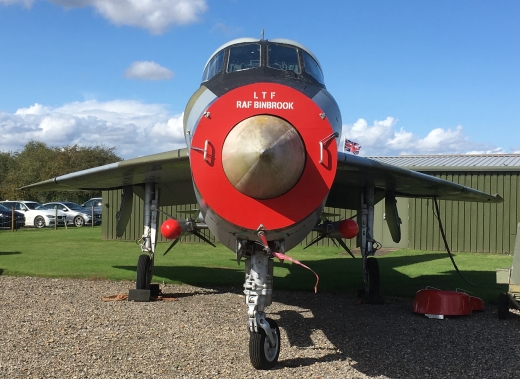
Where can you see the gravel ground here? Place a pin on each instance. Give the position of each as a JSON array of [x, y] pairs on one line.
[[61, 328]]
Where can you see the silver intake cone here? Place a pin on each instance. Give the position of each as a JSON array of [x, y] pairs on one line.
[[263, 157]]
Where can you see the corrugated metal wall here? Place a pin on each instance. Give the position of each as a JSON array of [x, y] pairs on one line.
[[469, 227]]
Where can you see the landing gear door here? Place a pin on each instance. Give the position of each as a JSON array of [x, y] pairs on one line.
[[125, 210]]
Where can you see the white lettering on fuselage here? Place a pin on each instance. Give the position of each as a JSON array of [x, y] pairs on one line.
[[274, 104], [264, 94], [265, 104], [244, 104]]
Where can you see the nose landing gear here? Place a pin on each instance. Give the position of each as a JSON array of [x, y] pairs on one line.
[[264, 334]]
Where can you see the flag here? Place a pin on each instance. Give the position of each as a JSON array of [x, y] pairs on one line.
[[352, 147]]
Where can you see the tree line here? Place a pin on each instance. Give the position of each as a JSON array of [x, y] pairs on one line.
[[38, 162]]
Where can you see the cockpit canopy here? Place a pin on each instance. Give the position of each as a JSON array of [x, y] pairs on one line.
[[279, 54]]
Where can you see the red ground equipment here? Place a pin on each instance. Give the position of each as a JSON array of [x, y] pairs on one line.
[[435, 303]]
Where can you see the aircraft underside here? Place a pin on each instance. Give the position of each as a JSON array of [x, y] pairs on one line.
[[257, 249]]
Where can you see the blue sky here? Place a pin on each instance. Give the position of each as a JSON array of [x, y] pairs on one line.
[[410, 77]]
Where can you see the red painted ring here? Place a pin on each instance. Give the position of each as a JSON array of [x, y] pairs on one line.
[[210, 178]]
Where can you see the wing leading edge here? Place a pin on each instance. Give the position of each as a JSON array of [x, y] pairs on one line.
[[356, 172], [169, 170]]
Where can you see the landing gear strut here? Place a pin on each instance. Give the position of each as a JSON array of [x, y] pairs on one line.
[[148, 240], [264, 334], [371, 293]]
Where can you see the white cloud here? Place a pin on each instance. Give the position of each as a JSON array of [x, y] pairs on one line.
[[375, 135], [155, 15], [137, 129], [146, 70], [497, 150], [36, 109], [134, 128], [442, 140], [25, 3], [382, 138]]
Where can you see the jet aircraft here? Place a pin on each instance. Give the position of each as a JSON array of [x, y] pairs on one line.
[[262, 161]]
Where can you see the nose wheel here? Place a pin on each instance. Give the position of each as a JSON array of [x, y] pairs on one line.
[[264, 354]]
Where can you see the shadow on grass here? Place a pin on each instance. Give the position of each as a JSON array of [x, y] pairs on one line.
[[340, 275], [10, 252]]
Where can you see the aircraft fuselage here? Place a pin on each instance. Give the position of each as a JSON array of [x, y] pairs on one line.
[[262, 132]]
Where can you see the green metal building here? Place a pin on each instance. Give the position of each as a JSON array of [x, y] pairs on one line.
[[469, 227]]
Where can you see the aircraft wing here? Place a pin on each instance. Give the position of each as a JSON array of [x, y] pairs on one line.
[[356, 172], [169, 170]]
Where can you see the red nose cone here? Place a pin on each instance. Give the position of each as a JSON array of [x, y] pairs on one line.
[[348, 228], [171, 229]]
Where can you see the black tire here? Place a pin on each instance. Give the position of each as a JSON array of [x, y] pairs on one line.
[[79, 221], [503, 306], [144, 273], [374, 283], [264, 357], [39, 222]]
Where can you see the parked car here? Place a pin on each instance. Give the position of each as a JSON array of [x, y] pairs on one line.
[[36, 214], [76, 214], [6, 219], [94, 202]]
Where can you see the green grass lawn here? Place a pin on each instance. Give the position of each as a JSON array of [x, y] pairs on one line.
[[80, 253]]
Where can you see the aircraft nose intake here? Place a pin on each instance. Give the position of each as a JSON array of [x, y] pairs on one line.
[[263, 156]]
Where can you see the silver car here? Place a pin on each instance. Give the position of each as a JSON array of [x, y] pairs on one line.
[[76, 214]]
